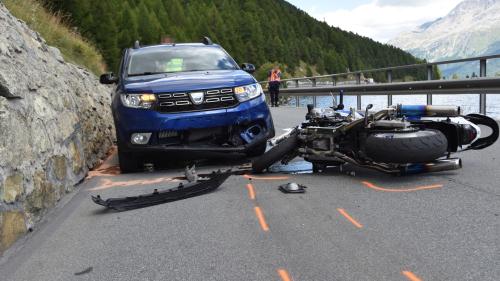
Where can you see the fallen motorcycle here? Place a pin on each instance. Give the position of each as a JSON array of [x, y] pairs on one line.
[[401, 140]]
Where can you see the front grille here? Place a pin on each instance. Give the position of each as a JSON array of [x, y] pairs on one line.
[[212, 99]]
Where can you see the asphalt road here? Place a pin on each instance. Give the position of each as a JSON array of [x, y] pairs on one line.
[[350, 225]]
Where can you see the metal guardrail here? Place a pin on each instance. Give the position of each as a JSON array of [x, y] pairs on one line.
[[481, 85]]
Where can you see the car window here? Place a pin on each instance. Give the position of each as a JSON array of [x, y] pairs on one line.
[[179, 59]]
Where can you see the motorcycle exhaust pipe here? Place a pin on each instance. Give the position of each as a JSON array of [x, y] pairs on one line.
[[436, 166], [428, 111]]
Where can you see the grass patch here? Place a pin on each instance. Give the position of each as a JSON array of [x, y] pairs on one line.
[[57, 33]]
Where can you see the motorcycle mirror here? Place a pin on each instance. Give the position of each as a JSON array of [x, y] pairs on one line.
[[334, 100], [368, 107]]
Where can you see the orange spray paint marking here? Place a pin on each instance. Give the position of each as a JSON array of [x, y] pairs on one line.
[[264, 178], [349, 218], [378, 188], [284, 275], [261, 218], [103, 172], [108, 183], [410, 275], [105, 168], [251, 191]]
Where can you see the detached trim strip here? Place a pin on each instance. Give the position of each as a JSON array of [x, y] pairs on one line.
[[159, 197]]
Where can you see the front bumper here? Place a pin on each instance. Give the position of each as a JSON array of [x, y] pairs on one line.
[[198, 149], [244, 115]]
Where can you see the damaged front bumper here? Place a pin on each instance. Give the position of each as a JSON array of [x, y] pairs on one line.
[[203, 148], [202, 186], [239, 129]]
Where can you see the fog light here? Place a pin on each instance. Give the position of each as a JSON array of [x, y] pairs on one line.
[[140, 138]]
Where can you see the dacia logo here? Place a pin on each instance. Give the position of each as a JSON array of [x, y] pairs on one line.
[[197, 97]]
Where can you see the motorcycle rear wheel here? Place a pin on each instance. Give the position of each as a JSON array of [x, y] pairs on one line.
[[406, 147]]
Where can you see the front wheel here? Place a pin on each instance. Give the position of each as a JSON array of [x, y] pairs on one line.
[[258, 150], [275, 154], [129, 163], [406, 147]]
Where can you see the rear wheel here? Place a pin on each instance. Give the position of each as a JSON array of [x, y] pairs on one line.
[[406, 147]]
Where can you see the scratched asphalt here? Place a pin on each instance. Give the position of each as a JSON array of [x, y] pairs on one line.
[[447, 228]]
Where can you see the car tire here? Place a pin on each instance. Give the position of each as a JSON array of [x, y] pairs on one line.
[[275, 154], [129, 163], [406, 147], [258, 150]]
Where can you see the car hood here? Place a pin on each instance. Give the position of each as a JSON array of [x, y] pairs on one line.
[[188, 81]]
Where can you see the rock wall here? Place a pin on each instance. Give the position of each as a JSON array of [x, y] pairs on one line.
[[55, 124]]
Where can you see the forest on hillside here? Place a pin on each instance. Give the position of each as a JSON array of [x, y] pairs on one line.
[[255, 31]]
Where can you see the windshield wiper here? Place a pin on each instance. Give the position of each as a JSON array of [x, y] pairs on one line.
[[146, 73]]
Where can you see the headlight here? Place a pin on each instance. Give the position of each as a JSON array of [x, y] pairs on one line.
[[245, 93], [138, 100]]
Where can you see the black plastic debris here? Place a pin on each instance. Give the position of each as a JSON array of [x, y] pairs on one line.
[[190, 174], [292, 187], [203, 185]]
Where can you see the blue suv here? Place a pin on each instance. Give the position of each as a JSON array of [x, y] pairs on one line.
[[187, 101]]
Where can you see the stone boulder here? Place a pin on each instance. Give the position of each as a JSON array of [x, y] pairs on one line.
[[55, 124]]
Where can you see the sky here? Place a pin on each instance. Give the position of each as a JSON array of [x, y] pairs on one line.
[[380, 20]]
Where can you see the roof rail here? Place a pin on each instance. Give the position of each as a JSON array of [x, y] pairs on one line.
[[207, 41], [137, 45]]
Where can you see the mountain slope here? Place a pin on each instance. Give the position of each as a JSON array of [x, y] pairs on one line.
[[51, 27], [472, 28], [256, 31]]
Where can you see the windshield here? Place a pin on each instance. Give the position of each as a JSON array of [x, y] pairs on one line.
[[178, 59]]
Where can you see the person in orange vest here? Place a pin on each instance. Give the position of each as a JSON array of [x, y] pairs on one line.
[[274, 78]]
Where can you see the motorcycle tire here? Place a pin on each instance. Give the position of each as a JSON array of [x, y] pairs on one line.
[[406, 147], [275, 154]]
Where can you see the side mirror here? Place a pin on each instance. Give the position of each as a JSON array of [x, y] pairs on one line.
[[108, 78], [248, 67]]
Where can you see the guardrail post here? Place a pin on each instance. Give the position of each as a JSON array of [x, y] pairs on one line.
[[313, 82], [429, 72], [358, 102], [314, 101], [482, 103], [389, 80], [429, 77], [297, 99], [482, 68], [297, 83], [482, 96], [358, 78]]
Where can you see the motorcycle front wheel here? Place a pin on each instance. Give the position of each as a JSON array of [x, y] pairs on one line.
[[275, 154]]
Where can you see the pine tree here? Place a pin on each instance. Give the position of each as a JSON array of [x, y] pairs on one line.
[[255, 31]]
